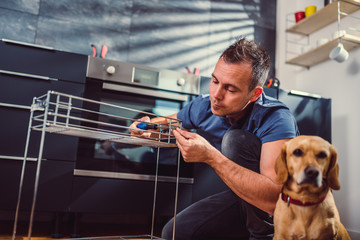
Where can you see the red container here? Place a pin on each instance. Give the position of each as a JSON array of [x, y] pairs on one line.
[[299, 16]]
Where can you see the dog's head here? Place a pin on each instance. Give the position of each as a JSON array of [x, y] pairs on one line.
[[308, 160]]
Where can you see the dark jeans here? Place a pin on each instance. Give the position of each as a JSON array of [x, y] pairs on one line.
[[224, 215]]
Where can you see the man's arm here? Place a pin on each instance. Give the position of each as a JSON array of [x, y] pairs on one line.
[[259, 190]]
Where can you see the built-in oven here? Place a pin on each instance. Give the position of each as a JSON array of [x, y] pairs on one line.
[[157, 91]]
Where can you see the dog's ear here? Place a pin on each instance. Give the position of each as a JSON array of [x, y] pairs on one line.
[[280, 166], [333, 172]]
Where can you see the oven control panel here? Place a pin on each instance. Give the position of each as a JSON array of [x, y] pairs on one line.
[[139, 75]]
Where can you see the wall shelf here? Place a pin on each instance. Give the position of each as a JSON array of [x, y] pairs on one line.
[[321, 53], [324, 17]]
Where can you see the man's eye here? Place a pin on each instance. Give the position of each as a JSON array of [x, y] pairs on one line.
[[298, 152], [229, 89]]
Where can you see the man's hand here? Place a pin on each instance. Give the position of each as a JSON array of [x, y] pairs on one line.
[[193, 147], [133, 128]]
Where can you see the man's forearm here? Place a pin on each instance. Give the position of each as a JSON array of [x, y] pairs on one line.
[[255, 188]]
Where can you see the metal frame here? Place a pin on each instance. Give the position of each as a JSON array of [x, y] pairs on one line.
[[61, 113]]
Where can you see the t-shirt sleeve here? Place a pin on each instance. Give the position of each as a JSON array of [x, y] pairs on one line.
[[280, 124], [190, 114]]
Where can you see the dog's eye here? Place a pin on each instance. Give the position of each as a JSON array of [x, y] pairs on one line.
[[298, 152], [321, 155]]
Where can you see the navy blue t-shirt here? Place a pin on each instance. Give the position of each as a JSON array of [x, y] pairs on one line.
[[269, 120]]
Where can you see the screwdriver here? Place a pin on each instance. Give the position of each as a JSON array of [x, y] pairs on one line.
[[147, 126]]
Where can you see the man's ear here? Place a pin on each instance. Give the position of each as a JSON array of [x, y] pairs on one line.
[[257, 91]]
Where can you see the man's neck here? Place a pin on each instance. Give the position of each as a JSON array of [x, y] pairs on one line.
[[240, 115]]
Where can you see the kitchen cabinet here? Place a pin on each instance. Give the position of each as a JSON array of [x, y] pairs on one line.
[[26, 71], [117, 196], [16, 95], [29, 71], [45, 62], [317, 21], [54, 187]]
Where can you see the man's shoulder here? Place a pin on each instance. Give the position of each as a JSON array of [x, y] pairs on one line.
[[267, 106], [269, 102]]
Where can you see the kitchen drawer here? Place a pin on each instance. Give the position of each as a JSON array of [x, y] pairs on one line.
[[102, 195], [65, 66], [14, 126], [21, 90], [54, 190], [16, 94]]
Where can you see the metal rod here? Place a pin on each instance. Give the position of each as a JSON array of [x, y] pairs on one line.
[[338, 20], [22, 173], [41, 148], [176, 193], [56, 108], [114, 237], [28, 75], [109, 104], [15, 106], [27, 44], [68, 112], [155, 192]]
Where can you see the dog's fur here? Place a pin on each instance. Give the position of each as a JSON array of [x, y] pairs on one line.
[[308, 169]]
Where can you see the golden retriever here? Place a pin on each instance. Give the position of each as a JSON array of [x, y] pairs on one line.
[[308, 169]]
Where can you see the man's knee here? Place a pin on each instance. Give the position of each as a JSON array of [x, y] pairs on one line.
[[182, 231], [167, 231], [242, 147]]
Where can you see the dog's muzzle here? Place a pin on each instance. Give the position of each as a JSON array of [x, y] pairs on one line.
[[310, 175]]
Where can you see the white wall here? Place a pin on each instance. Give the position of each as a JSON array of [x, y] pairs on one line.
[[341, 83]]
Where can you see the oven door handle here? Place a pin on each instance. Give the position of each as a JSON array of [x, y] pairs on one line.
[[18, 158], [146, 92]]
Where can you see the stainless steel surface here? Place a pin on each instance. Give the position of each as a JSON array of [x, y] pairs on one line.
[[146, 92], [28, 75], [122, 72]]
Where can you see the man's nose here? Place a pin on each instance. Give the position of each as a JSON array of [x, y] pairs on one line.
[[218, 93]]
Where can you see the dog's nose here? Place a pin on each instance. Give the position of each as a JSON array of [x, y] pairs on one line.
[[311, 172]]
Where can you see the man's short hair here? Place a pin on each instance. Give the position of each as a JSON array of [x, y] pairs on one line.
[[249, 52]]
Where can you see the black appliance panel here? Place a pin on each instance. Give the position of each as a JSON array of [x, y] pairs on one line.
[[312, 113], [98, 157]]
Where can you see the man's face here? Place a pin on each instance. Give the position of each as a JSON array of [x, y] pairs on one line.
[[229, 89]]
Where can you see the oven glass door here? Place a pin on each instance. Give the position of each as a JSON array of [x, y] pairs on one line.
[[119, 160]]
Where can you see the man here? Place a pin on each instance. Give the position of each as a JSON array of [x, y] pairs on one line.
[[247, 130]]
